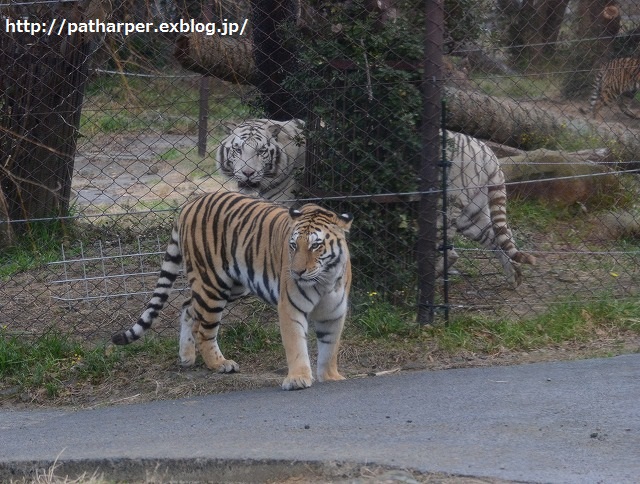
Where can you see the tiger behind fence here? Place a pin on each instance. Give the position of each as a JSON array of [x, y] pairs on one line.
[[478, 199], [616, 78], [262, 156], [232, 245], [477, 184]]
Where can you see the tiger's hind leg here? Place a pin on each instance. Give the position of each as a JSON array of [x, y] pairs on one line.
[[205, 324], [187, 336], [475, 223], [623, 106], [511, 269], [452, 255]]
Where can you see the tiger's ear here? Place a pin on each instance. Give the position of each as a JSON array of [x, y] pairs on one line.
[[294, 213], [344, 221], [274, 130], [228, 126]]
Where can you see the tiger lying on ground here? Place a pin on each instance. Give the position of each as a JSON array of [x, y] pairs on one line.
[[478, 201], [262, 156], [232, 245], [616, 78]]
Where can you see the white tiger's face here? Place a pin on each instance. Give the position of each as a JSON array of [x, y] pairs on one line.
[[251, 162], [262, 157]]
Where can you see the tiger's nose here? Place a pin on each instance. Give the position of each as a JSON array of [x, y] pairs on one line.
[[248, 172]]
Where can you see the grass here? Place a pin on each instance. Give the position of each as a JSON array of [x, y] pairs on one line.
[[251, 337], [115, 103], [376, 318], [565, 322], [518, 87], [49, 476], [39, 245], [51, 364], [536, 215]]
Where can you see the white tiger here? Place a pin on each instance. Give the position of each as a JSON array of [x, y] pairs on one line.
[[478, 200], [262, 155]]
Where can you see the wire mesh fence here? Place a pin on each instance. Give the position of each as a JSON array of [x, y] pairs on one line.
[[112, 115]]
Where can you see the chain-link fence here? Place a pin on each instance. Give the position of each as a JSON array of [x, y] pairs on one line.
[[112, 115]]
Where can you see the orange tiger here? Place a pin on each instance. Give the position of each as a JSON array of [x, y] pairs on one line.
[[232, 245]]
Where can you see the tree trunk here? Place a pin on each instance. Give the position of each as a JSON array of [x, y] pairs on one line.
[[559, 177], [227, 58], [532, 27], [275, 57], [518, 123], [42, 85], [541, 22]]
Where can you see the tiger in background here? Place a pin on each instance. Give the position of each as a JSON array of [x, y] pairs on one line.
[[616, 78], [232, 245], [478, 201], [262, 156], [477, 184]]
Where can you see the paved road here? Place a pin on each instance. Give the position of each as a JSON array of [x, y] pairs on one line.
[[565, 422]]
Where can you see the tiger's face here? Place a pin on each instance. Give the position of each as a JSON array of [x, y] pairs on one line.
[[252, 162], [317, 246]]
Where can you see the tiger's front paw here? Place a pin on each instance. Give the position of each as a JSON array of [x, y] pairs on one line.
[[188, 357], [297, 382], [227, 366], [331, 376]]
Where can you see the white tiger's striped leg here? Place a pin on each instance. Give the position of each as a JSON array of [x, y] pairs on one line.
[[475, 222], [293, 329], [206, 325], [452, 257], [187, 338], [512, 269]]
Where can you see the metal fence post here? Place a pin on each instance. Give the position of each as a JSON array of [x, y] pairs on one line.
[[427, 217], [446, 246]]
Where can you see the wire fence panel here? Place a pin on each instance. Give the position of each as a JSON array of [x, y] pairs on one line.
[[114, 115]]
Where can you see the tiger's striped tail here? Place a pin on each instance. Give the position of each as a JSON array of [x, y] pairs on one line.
[[168, 274], [501, 230], [596, 100]]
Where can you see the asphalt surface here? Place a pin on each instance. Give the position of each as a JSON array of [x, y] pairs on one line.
[[562, 422]]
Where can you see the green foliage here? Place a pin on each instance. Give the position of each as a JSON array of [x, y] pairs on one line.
[[53, 364], [150, 346], [54, 361], [43, 363], [363, 129], [251, 337], [536, 215], [38, 244], [565, 322], [464, 19], [171, 154], [519, 87], [378, 318]]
